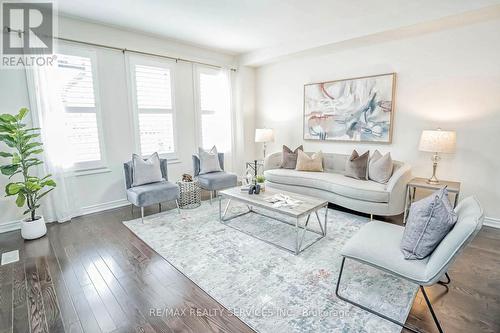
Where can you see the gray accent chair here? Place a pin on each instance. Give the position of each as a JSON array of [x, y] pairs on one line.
[[377, 244], [214, 181], [150, 194]]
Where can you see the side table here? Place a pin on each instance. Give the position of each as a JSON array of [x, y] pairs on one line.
[[190, 194], [411, 188]]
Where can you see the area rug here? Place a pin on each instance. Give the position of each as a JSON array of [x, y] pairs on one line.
[[268, 288]]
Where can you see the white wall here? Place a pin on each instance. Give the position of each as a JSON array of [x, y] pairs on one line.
[[448, 79], [103, 190]]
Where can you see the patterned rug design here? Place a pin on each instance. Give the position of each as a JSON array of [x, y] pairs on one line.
[[268, 288]]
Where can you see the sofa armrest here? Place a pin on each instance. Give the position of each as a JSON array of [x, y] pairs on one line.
[[398, 181], [272, 161]]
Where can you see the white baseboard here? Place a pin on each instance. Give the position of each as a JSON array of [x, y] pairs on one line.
[[16, 225], [10, 226], [492, 222], [103, 206]]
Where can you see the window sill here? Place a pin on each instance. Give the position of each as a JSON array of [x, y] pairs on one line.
[[87, 172], [173, 161]]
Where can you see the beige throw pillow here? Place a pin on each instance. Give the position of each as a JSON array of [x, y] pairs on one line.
[[380, 167], [306, 163]]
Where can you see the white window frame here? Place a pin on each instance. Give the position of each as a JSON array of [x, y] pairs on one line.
[[197, 71], [81, 51], [133, 60]]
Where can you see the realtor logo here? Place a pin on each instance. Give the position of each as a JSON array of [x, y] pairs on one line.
[[27, 27]]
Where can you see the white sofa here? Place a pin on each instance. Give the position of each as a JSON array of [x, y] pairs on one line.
[[364, 196]]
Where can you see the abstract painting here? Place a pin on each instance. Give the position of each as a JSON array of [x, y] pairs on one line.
[[358, 109]]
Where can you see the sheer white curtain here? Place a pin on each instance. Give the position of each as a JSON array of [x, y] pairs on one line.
[[47, 113]]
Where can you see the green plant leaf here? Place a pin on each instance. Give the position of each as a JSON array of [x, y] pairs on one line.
[[9, 141], [49, 182], [33, 129], [5, 154], [8, 118], [13, 188], [32, 186], [7, 128], [33, 152], [31, 136], [21, 200], [22, 113], [9, 169], [26, 211]]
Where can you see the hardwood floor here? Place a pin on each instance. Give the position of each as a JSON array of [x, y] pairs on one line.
[[94, 275]]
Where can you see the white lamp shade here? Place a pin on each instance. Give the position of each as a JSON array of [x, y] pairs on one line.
[[438, 141], [264, 135]]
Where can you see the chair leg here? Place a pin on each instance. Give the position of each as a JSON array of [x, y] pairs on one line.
[[132, 209], [177, 203], [142, 214], [380, 314], [371, 217], [211, 194], [436, 321], [159, 208], [445, 283]]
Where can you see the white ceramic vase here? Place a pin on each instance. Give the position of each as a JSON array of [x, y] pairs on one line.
[[33, 229]]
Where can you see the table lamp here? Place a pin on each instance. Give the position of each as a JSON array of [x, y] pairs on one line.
[[437, 141], [264, 135]]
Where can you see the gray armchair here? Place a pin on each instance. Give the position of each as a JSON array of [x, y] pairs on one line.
[[377, 245], [150, 194], [214, 181]]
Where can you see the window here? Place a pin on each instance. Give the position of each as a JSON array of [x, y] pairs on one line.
[[73, 81], [152, 87], [214, 109]]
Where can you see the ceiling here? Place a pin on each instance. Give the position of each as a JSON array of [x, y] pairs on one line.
[[246, 26]]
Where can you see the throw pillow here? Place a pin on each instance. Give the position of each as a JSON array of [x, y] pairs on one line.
[[289, 158], [356, 165], [209, 160], [146, 170], [306, 163], [429, 221], [380, 167]]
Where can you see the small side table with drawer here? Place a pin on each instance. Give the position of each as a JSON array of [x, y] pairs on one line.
[[421, 183]]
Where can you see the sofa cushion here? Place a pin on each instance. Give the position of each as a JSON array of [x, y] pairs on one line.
[[357, 165], [217, 180], [380, 167], [309, 163], [150, 194], [289, 157], [332, 182]]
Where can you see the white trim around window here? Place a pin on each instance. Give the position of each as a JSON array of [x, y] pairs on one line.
[[155, 106], [81, 51], [226, 119]]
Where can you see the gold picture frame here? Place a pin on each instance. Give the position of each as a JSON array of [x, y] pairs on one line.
[[359, 109]]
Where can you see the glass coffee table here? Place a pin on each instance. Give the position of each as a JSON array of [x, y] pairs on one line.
[[306, 210]]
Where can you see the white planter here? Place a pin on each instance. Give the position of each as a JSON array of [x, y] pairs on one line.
[[33, 229]]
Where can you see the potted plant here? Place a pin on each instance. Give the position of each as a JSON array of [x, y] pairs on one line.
[[29, 189], [261, 181]]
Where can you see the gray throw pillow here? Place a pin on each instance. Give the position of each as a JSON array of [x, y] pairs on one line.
[[356, 165], [146, 171], [289, 158], [209, 160], [429, 221], [380, 167]]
